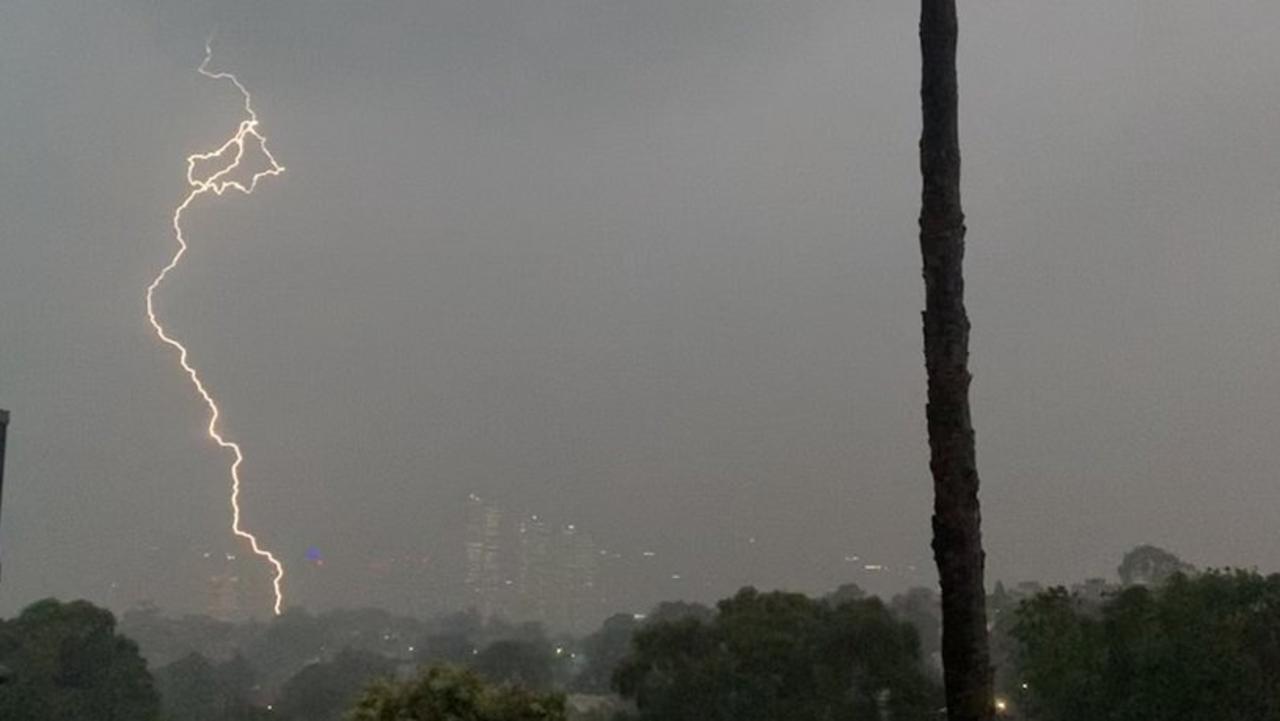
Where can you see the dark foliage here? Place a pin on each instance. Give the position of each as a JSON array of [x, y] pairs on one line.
[[67, 663], [196, 689], [445, 693], [325, 691], [1195, 649], [766, 656]]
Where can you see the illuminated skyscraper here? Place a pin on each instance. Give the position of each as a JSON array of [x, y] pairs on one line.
[[530, 569], [575, 598], [484, 583], [534, 569]]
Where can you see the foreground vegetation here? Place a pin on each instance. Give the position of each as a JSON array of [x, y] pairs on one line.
[[1163, 643], [1196, 648]]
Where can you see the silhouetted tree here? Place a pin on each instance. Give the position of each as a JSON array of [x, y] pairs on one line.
[[678, 610], [1150, 566], [524, 663], [164, 640], [919, 607], [286, 644], [1203, 647], [325, 691], [604, 650], [769, 656], [446, 648], [844, 593], [68, 663], [957, 535], [196, 689]]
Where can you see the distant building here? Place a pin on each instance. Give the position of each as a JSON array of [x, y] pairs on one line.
[[225, 597], [484, 582], [530, 570], [534, 582], [576, 556]]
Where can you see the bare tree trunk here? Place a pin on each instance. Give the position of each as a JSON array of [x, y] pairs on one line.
[[957, 534]]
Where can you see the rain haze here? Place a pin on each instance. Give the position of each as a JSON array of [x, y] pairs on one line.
[[646, 267]]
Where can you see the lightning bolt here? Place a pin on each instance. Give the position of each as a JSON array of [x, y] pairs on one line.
[[218, 183]]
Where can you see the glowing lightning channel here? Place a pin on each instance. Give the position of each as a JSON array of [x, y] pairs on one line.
[[218, 183]]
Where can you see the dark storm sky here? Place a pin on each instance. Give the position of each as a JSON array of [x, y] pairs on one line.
[[646, 266]]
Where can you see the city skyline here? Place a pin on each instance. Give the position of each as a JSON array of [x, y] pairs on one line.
[[524, 568], [506, 562]]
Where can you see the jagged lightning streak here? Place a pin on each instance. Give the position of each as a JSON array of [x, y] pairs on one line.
[[218, 183]]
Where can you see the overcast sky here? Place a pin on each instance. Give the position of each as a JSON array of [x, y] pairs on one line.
[[646, 266]]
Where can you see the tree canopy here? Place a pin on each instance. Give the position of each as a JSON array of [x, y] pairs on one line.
[[1201, 648], [447, 693], [766, 656], [526, 663], [1148, 565], [605, 650], [67, 663], [324, 691], [194, 688]]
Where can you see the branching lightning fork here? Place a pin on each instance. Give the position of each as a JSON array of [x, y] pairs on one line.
[[219, 182]]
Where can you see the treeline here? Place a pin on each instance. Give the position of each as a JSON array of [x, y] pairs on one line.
[[70, 661], [1163, 642]]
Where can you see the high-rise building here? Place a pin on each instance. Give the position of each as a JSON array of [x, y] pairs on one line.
[[225, 597], [582, 597], [573, 599], [534, 569], [530, 570], [484, 582]]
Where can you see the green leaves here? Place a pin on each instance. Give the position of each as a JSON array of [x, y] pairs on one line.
[[767, 656], [446, 693], [1195, 649], [68, 664]]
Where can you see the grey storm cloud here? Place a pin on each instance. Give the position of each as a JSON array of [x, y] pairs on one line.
[[645, 266]]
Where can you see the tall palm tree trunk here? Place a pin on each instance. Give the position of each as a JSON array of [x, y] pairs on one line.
[[957, 534]]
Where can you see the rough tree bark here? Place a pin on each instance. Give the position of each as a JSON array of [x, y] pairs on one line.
[[957, 534]]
